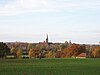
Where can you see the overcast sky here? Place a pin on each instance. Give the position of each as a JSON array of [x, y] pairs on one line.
[[62, 20]]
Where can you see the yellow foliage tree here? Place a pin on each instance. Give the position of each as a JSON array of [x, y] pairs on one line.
[[19, 53], [96, 52], [50, 54], [33, 53], [13, 51]]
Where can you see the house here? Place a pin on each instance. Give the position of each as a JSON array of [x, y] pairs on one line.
[[82, 55]]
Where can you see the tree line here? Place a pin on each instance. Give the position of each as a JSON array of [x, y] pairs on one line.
[[62, 50]]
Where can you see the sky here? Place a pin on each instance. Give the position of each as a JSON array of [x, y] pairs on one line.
[[62, 20]]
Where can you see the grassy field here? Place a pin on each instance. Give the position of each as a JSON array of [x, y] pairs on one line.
[[50, 67]]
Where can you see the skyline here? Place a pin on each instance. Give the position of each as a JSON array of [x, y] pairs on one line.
[[62, 20]]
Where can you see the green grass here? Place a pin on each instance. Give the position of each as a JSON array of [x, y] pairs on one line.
[[50, 67]]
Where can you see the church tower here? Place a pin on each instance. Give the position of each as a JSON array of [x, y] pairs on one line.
[[47, 39]]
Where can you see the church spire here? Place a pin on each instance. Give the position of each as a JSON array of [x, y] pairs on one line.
[[47, 39]]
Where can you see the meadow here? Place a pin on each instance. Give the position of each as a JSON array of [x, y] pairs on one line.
[[50, 67]]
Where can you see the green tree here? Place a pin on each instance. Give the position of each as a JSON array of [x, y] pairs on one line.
[[4, 50]]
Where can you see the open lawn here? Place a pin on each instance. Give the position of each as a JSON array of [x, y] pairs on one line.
[[50, 67]]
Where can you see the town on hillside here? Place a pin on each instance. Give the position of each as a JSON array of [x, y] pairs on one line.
[[46, 49]]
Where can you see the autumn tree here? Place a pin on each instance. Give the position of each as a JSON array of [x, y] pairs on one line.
[[50, 54], [58, 54], [33, 53], [30, 46], [19, 53], [42, 50], [73, 50], [96, 52], [64, 45], [13, 51], [30, 53]]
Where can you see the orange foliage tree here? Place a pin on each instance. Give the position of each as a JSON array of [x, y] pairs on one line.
[[58, 54], [73, 50]]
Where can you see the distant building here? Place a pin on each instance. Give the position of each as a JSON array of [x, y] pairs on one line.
[[82, 55], [46, 41], [70, 43]]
